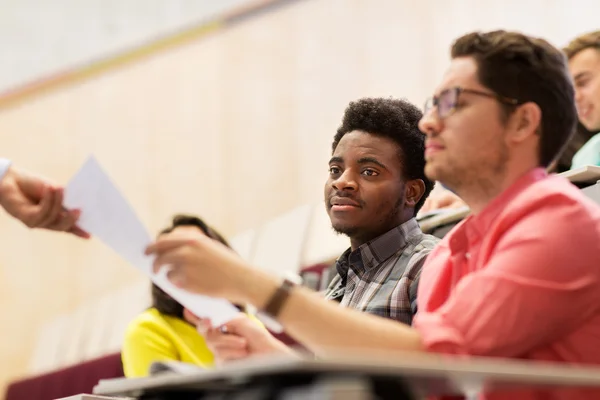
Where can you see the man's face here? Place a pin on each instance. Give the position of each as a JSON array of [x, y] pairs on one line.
[[364, 194], [585, 70], [468, 144]]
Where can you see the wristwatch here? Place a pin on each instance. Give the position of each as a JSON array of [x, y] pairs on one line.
[[278, 299]]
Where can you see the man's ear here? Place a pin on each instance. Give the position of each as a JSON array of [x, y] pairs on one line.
[[413, 191], [527, 121]]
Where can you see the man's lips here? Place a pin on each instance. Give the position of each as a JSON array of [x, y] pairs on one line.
[[584, 111], [338, 203], [432, 147]]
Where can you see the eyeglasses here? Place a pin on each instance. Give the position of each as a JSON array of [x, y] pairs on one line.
[[447, 100]]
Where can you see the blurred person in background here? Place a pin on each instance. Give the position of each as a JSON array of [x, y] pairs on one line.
[[167, 331], [583, 53]]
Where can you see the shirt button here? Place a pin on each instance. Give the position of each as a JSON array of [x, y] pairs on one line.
[[468, 256]]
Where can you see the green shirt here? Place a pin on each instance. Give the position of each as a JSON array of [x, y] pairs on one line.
[[589, 154]]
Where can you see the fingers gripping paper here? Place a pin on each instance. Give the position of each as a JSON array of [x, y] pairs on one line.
[[106, 214]]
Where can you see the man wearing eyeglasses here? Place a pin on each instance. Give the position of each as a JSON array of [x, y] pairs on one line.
[[519, 278], [583, 53]]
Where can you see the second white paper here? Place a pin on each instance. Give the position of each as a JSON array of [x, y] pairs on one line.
[[106, 214]]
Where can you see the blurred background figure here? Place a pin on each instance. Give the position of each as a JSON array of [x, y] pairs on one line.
[[584, 63], [168, 331]]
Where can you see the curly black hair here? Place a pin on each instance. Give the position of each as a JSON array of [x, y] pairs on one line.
[[398, 120]]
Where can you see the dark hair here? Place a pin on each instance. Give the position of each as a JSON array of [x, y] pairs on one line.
[[164, 303], [589, 40], [395, 119], [527, 69], [190, 220]]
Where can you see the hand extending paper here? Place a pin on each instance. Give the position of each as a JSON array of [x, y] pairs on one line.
[[107, 215]]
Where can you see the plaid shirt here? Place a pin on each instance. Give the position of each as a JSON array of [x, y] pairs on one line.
[[381, 276]]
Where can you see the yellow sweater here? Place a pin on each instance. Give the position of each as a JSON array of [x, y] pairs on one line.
[[152, 336]]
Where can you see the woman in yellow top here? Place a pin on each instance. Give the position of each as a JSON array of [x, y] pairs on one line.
[[167, 331]]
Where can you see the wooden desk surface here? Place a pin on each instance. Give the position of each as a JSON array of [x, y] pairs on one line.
[[90, 397], [428, 374]]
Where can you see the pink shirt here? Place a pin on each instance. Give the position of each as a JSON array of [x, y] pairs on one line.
[[520, 280]]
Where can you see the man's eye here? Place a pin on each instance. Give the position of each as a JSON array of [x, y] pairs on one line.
[[581, 83], [370, 172], [334, 170]]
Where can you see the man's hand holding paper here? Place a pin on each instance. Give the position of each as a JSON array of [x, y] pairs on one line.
[[106, 214]]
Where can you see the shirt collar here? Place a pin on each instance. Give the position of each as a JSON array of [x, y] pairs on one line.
[[482, 221], [374, 252]]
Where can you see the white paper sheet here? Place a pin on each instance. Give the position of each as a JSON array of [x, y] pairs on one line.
[[107, 215]]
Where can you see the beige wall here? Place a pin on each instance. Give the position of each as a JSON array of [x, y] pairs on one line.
[[235, 127]]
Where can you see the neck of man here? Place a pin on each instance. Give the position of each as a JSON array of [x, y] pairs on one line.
[[477, 194], [360, 238]]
